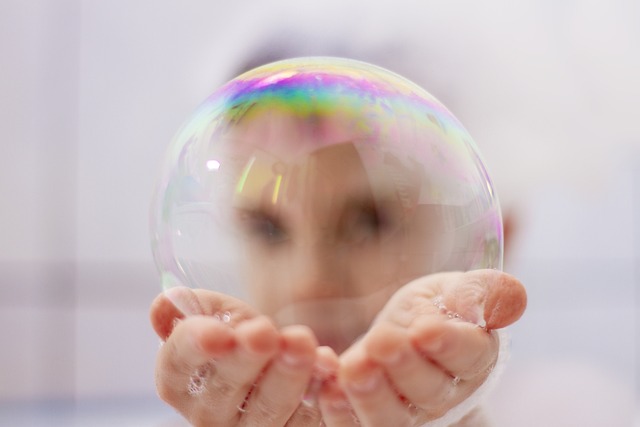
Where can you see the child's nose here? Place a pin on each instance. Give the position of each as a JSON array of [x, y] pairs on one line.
[[320, 272]]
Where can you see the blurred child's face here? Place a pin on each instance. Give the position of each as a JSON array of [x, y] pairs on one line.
[[327, 241]]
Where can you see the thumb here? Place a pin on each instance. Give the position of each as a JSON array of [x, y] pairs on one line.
[[506, 300], [499, 297]]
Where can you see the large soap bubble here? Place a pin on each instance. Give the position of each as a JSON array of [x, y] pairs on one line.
[[314, 188]]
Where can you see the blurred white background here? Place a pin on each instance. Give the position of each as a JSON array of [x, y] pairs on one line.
[[91, 93]]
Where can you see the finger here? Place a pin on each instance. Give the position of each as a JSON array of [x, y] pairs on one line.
[[280, 390], [237, 373], [325, 369], [506, 300], [327, 363], [163, 315], [180, 302], [335, 407], [374, 401], [419, 378], [462, 349], [499, 298], [185, 300], [304, 416], [206, 368], [192, 345]]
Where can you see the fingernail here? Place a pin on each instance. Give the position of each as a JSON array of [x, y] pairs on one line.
[[366, 383], [433, 345], [393, 357], [292, 360], [184, 300], [324, 368]]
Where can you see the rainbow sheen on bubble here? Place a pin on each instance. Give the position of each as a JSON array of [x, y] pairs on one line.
[[321, 183]]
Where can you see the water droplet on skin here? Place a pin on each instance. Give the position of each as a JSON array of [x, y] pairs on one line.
[[453, 315], [223, 317], [198, 380]]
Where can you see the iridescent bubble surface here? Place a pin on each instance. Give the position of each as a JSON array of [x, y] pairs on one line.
[[314, 188]]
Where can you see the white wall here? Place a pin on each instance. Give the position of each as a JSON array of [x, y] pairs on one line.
[[91, 92], [38, 83]]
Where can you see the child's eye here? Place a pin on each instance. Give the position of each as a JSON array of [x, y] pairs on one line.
[[262, 227], [370, 220], [363, 224], [269, 230]]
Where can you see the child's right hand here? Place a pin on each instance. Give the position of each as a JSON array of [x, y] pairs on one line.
[[223, 353]]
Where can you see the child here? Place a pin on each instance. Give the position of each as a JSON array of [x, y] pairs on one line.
[[342, 235]]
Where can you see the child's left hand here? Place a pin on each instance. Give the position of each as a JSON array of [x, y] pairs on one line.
[[428, 350]]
